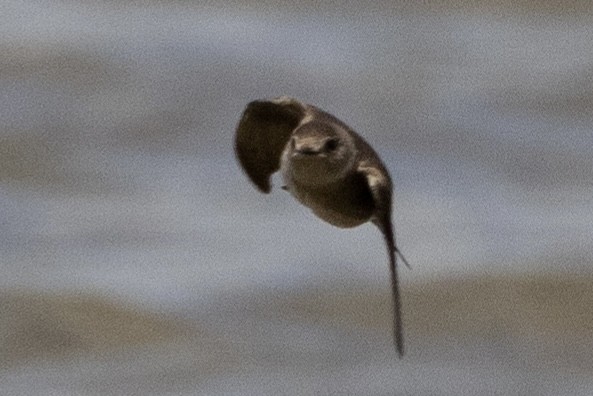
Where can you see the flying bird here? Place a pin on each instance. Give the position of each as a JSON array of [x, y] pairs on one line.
[[326, 166]]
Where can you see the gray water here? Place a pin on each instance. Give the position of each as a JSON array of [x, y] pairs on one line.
[[117, 174]]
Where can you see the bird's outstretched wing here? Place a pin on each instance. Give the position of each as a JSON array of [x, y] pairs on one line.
[[381, 190], [263, 132]]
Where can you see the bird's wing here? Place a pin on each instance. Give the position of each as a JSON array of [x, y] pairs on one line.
[[263, 132], [381, 190]]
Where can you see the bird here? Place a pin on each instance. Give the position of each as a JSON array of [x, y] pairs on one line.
[[326, 166]]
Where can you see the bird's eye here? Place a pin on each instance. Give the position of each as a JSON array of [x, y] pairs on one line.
[[331, 144]]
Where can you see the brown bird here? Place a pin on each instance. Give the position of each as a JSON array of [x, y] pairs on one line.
[[326, 166]]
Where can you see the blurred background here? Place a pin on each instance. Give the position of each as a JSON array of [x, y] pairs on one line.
[[136, 258]]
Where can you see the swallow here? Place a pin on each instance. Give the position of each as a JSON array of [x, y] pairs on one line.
[[326, 166]]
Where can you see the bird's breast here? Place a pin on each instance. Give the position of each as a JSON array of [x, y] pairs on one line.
[[347, 203]]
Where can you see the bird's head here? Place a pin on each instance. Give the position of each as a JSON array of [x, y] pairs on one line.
[[320, 153]]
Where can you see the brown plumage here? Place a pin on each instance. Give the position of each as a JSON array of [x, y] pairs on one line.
[[326, 166]]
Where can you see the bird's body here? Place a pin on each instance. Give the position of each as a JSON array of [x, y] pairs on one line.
[[325, 165], [327, 182], [356, 202]]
